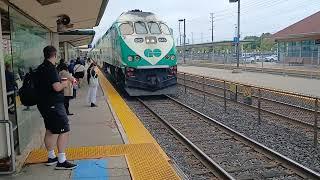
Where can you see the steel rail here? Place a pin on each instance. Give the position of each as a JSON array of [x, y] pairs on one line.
[[204, 157], [289, 162]]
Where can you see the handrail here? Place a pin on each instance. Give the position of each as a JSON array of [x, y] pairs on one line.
[[10, 93], [254, 86], [13, 159]]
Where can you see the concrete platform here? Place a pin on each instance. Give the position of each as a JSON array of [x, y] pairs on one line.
[[97, 144], [111, 168], [286, 83], [89, 127]]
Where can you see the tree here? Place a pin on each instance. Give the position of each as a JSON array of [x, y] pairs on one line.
[[262, 43]]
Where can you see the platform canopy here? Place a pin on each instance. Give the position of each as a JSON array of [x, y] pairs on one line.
[[84, 14], [78, 37]]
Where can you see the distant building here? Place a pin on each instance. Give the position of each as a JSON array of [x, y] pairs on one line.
[[300, 42]]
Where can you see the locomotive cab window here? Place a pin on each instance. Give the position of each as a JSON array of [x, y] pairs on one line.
[[154, 28], [140, 28], [165, 29], [126, 28]]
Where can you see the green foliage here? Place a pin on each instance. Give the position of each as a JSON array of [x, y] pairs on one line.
[[17, 60], [262, 43]]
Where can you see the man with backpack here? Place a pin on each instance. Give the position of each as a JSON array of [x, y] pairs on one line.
[[51, 106]]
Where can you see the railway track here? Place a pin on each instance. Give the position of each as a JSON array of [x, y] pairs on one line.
[[183, 155], [296, 109], [225, 152]]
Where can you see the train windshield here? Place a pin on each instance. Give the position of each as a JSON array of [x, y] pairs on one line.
[[140, 28], [126, 28], [154, 28], [165, 29]]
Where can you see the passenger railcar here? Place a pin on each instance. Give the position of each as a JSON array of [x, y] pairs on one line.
[[138, 51]]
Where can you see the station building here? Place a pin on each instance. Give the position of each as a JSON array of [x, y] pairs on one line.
[[300, 42], [27, 26]]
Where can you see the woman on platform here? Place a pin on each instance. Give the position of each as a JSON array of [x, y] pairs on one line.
[[68, 91], [79, 71], [93, 82]]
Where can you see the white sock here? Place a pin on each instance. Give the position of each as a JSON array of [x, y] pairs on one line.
[[62, 157], [51, 154]]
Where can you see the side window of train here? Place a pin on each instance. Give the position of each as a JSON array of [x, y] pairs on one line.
[[126, 28], [140, 28], [154, 28], [113, 37], [165, 29]]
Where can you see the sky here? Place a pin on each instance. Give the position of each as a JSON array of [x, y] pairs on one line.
[[257, 16]]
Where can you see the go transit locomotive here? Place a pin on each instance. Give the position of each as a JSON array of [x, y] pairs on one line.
[[138, 51]]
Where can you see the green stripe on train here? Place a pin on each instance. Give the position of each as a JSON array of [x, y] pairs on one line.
[[126, 51]]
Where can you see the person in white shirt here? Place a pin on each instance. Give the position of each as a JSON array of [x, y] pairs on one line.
[[93, 82]]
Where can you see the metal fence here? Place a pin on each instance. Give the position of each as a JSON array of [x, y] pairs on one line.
[[288, 106], [7, 166], [257, 62]]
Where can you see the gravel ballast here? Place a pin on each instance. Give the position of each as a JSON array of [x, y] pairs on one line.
[[286, 138]]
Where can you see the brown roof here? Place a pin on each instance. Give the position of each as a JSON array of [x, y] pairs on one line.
[[307, 26]]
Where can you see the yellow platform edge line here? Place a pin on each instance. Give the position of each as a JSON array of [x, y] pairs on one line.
[[144, 160], [133, 127]]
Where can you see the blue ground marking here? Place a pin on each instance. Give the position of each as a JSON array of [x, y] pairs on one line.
[[93, 169]]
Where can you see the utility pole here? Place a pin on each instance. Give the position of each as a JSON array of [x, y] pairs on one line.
[[192, 38], [211, 17], [180, 34], [238, 38], [184, 38], [238, 33], [184, 41], [201, 37]]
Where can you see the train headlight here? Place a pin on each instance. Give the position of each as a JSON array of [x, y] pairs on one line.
[[138, 40], [130, 58], [162, 39], [167, 57], [173, 57], [137, 58]]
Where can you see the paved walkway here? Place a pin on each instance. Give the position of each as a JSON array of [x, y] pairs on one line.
[[287, 83], [89, 127]]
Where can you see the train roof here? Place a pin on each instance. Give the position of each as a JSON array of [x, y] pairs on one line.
[[137, 15]]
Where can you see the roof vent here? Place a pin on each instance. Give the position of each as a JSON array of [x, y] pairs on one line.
[[136, 10], [48, 2]]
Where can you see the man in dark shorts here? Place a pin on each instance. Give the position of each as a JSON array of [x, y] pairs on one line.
[[51, 107]]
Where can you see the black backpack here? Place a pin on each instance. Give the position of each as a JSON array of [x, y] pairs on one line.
[[28, 93]]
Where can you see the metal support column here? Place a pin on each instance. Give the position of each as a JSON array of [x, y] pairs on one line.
[[65, 47], [238, 36], [184, 41], [6, 140]]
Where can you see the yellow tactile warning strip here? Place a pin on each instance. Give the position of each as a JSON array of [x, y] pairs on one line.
[[144, 160], [133, 127]]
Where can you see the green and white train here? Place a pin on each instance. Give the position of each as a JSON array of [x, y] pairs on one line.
[[138, 51]]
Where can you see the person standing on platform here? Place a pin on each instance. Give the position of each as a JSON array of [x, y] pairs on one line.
[[51, 107], [93, 82], [68, 91], [11, 85], [61, 63], [79, 71], [71, 66]]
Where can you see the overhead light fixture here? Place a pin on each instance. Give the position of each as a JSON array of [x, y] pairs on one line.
[[48, 2]]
